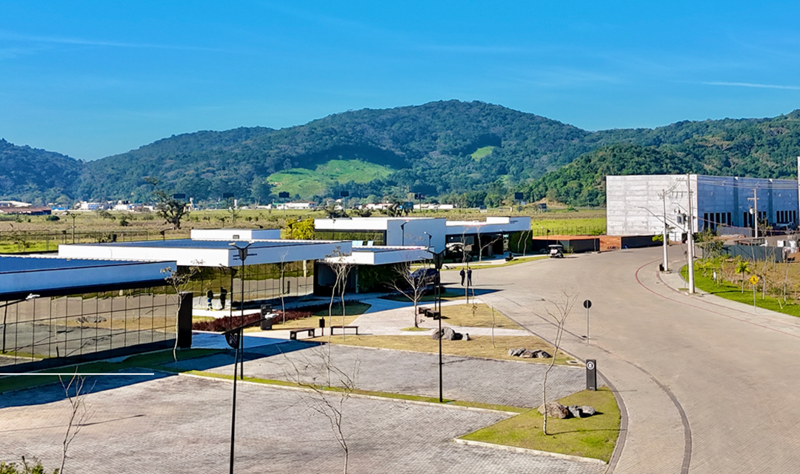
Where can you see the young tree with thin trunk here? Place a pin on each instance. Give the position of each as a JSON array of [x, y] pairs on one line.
[[78, 413], [180, 281], [411, 285], [327, 402], [557, 313]]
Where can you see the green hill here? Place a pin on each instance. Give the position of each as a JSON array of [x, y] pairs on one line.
[[471, 153]]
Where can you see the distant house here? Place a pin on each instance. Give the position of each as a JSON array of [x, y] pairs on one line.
[[298, 206]]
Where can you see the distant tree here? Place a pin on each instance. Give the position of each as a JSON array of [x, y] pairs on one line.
[[170, 209], [299, 229]]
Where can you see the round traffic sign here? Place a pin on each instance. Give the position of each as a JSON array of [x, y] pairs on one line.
[[590, 365], [754, 279], [587, 304]]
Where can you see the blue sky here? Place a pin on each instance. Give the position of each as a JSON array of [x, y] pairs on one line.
[[91, 79]]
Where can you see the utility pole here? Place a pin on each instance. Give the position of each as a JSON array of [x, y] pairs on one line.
[[665, 235], [690, 233], [755, 211]]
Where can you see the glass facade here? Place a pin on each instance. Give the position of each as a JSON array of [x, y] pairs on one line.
[[262, 283], [80, 325]]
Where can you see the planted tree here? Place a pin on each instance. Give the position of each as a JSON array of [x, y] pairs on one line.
[[167, 207]]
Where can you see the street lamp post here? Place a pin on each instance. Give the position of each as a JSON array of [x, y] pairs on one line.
[[437, 298], [239, 347]]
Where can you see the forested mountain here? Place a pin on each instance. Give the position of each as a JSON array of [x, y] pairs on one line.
[[469, 152], [37, 176], [765, 148]]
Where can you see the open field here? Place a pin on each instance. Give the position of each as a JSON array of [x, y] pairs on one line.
[[314, 182]]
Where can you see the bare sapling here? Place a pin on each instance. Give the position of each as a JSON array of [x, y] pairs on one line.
[[557, 313]]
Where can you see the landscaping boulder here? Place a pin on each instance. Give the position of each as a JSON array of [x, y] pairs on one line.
[[516, 352], [526, 354], [541, 355], [587, 410], [447, 334], [575, 411], [555, 410]]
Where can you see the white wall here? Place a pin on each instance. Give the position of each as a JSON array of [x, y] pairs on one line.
[[235, 234]]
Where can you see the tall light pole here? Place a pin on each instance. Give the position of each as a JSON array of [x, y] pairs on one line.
[[665, 235], [239, 347], [438, 257], [690, 227]]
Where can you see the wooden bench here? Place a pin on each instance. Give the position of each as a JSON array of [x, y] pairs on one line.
[[309, 331], [423, 310], [431, 313], [343, 328]]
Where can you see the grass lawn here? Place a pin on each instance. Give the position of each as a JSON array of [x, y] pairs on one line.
[[733, 292], [479, 315], [152, 360], [592, 437], [352, 312], [478, 346]]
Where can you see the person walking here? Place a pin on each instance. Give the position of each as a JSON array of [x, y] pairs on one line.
[[223, 295], [463, 274], [469, 277], [210, 296]]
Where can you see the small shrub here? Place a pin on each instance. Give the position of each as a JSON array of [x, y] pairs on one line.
[[124, 222], [230, 322], [25, 468], [52, 218]]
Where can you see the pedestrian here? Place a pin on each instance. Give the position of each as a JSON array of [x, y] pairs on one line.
[[469, 277], [463, 274], [210, 296], [223, 295]]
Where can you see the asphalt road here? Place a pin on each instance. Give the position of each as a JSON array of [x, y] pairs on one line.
[[707, 386]]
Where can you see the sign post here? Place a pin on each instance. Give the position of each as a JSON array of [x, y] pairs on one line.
[[754, 282], [587, 304], [591, 374]]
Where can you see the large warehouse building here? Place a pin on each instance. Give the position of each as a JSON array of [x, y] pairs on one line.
[[639, 204]]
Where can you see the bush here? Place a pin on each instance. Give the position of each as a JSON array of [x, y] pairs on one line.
[[124, 222], [52, 218], [228, 322], [25, 468]]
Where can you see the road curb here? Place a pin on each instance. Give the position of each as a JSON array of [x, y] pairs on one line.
[[515, 449]]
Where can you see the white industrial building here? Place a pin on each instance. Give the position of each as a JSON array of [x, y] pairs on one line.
[[639, 204]]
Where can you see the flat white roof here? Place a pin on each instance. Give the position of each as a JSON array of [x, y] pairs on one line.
[[209, 253], [45, 274]]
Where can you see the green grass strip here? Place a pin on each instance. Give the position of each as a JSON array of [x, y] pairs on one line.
[[592, 437], [733, 292]]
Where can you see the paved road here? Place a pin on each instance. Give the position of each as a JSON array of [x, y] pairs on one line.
[[707, 386]]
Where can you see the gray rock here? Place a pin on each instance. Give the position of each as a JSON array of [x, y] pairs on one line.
[[511, 352], [542, 355], [575, 411], [447, 334], [526, 354], [555, 410], [588, 411], [466, 337], [517, 352]]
